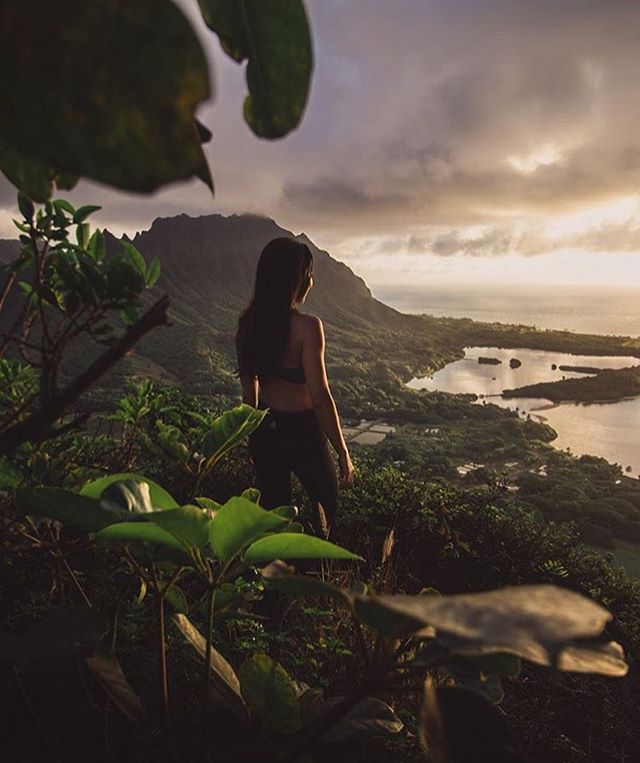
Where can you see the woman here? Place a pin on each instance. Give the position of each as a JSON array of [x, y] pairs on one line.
[[281, 365]]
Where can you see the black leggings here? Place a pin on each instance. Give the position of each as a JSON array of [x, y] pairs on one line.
[[294, 442]]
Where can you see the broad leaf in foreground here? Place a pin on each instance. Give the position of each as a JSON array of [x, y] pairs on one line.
[[223, 677], [270, 693], [238, 523], [228, 430], [535, 622], [106, 669], [67, 507], [124, 533], [188, 524], [294, 546], [83, 98], [274, 37]]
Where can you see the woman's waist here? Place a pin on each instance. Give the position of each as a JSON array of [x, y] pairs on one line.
[[285, 413]]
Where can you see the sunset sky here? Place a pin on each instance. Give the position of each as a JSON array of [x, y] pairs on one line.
[[444, 140]]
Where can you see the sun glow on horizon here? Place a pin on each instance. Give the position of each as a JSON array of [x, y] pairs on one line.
[[618, 212]]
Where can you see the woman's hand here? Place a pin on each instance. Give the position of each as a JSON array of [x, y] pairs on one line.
[[346, 468]]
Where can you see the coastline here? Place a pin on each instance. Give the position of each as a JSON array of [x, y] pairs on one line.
[[608, 386], [461, 333]]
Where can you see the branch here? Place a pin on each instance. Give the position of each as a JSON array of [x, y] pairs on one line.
[[8, 284], [38, 425]]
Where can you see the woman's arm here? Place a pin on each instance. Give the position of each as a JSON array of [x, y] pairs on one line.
[[249, 383], [249, 390], [321, 397]]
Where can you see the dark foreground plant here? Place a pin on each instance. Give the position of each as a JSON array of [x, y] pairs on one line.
[[193, 557], [64, 287]]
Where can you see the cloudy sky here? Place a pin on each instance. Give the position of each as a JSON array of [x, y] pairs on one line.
[[444, 141]]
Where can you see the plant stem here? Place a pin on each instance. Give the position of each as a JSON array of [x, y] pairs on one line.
[[36, 426], [74, 577], [162, 650], [206, 697]]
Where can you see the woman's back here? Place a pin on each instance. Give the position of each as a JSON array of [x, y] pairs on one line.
[[286, 388], [281, 367]]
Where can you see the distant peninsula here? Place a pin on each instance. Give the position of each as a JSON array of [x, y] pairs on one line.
[[606, 386], [581, 369]]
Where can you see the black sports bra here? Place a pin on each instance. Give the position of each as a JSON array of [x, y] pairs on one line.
[[295, 375]]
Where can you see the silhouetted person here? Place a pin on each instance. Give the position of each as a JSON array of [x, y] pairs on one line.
[[281, 364]]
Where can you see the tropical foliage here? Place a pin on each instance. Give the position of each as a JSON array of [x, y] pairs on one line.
[[128, 120], [151, 607]]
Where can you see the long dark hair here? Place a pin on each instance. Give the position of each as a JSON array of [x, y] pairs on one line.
[[283, 276]]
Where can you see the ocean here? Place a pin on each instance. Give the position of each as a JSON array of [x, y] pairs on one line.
[[608, 430], [584, 309]]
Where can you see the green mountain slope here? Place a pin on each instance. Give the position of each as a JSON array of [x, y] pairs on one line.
[[208, 265]]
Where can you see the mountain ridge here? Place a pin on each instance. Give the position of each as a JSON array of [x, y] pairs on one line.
[[208, 264]]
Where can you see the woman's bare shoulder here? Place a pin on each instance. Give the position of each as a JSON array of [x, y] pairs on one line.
[[306, 324]]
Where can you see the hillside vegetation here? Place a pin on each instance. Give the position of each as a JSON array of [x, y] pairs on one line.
[[158, 616]]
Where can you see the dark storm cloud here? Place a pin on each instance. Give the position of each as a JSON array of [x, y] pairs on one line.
[[454, 100], [335, 195], [429, 116]]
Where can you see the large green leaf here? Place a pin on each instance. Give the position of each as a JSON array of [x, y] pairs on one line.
[[223, 677], [237, 524], [228, 430], [65, 506], [535, 622], [160, 499], [286, 512], [31, 176], [188, 524], [135, 532], [153, 272], [274, 36], [84, 95], [175, 596], [270, 693], [208, 503], [251, 494], [294, 546]]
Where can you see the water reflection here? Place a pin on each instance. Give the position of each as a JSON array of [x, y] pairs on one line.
[[609, 430]]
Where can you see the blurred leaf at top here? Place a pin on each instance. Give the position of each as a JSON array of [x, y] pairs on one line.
[[274, 37], [104, 89]]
